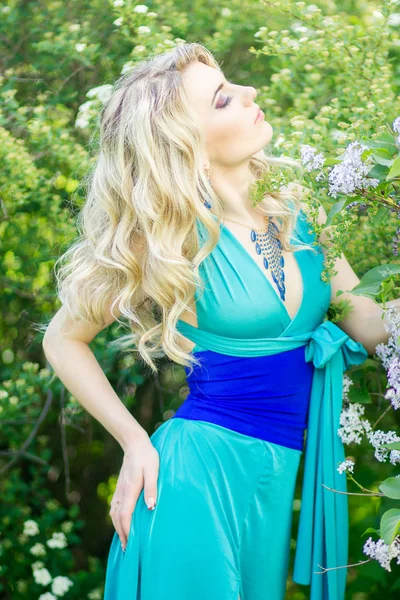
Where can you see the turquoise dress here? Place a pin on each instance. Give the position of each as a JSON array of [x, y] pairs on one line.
[[222, 523]]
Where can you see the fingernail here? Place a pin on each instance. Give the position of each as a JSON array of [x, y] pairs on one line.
[[122, 548], [151, 503]]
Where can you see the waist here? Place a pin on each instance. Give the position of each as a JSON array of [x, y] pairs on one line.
[[264, 396]]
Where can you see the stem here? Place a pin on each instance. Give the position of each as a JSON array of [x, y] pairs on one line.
[[382, 415], [362, 562], [351, 493]]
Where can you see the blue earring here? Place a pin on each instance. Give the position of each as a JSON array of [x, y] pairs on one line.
[[206, 203]]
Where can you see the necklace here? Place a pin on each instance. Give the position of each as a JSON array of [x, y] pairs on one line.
[[268, 244]]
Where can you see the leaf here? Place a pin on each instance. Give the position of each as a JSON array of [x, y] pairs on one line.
[[371, 281], [360, 393], [336, 208], [390, 525], [391, 445], [380, 216], [385, 141], [391, 487], [371, 530], [379, 172], [395, 169], [383, 157]]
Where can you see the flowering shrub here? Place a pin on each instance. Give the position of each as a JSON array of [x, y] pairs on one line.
[[327, 80]]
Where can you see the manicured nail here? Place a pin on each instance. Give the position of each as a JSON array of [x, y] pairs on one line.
[[151, 503]]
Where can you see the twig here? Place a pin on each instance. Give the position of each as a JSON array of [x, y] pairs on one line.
[[363, 562], [352, 493], [64, 444], [31, 436]]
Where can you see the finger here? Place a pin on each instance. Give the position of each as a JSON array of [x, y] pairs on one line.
[[150, 473], [117, 524], [130, 495]]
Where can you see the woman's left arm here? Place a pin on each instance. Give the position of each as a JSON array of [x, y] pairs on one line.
[[364, 323]]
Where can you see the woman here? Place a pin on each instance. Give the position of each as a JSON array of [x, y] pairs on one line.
[[171, 242]]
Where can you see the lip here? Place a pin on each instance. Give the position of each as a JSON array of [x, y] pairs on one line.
[[259, 114]]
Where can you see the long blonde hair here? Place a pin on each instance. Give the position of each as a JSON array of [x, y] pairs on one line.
[[138, 251]]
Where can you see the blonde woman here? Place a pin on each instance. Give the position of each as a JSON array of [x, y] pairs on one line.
[[171, 243]]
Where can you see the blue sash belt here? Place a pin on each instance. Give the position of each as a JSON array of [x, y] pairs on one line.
[[267, 387], [252, 395]]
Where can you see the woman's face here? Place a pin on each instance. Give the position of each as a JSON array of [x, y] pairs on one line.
[[227, 116]]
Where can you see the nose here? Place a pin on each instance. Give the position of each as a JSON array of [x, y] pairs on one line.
[[253, 92]]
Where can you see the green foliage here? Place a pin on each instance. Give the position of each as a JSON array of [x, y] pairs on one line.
[[326, 75]]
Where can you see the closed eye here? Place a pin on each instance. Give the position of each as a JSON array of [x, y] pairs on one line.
[[228, 101]]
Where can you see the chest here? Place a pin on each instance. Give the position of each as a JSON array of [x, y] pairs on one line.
[[293, 279]]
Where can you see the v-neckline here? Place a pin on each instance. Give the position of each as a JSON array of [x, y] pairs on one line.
[[271, 287]]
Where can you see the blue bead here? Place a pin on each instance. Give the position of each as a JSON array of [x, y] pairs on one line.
[[253, 235], [258, 248], [265, 262]]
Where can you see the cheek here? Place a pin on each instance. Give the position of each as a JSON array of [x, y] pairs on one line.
[[228, 131]]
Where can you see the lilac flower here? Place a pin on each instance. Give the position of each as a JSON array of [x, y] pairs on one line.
[[390, 355], [353, 427], [382, 552], [349, 176], [377, 438], [396, 125], [311, 160], [347, 465]]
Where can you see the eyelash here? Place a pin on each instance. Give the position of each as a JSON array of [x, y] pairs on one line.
[[228, 101]]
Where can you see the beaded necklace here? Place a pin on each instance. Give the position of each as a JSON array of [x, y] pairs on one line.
[[267, 243]]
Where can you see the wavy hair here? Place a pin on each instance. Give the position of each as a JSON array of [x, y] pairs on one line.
[[137, 253]]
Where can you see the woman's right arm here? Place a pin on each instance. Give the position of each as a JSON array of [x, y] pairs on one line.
[[66, 346]]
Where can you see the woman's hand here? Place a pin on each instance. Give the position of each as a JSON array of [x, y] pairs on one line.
[[139, 469]]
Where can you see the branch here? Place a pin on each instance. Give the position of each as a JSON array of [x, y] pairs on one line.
[[352, 493], [22, 451], [363, 562]]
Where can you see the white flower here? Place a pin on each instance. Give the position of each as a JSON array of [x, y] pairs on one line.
[[353, 427], [95, 594], [349, 175], [47, 596], [81, 123], [143, 29], [394, 19], [141, 8], [347, 465], [102, 92], [226, 12], [310, 159], [74, 27], [118, 3], [60, 585], [38, 550], [396, 125], [80, 47], [118, 22], [379, 437], [382, 552], [3, 394], [67, 526], [30, 527], [42, 576], [58, 540]]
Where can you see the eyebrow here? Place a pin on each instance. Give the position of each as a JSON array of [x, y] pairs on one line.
[[221, 85]]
